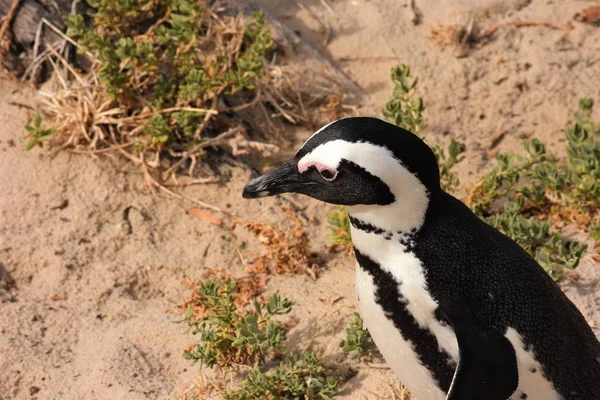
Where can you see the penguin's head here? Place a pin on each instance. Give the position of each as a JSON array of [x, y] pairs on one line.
[[361, 162]]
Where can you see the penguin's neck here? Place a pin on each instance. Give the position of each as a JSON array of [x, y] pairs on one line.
[[406, 215]]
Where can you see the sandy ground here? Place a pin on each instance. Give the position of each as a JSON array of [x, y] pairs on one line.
[[88, 290]]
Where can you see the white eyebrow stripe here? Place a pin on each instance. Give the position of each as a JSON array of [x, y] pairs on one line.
[[328, 154], [410, 193], [377, 160]]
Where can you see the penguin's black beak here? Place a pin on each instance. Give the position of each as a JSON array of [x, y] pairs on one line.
[[284, 179]]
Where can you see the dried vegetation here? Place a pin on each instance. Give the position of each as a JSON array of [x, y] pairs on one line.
[[469, 35], [285, 251], [176, 86]]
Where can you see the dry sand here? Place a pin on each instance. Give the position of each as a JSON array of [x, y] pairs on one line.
[[88, 290]]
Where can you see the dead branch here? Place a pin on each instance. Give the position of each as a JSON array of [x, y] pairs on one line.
[[216, 141], [6, 22], [521, 24], [417, 16]]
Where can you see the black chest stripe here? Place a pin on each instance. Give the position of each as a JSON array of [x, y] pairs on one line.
[[394, 305], [365, 227]]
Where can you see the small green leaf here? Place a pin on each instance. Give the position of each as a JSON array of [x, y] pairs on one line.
[[31, 143]]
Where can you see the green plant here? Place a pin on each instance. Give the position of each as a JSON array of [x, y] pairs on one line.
[[537, 237], [583, 116], [166, 82], [358, 342], [595, 230], [296, 378], [530, 196], [339, 225], [37, 133], [449, 180], [157, 50], [160, 54], [570, 188], [501, 180], [403, 109], [230, 336]]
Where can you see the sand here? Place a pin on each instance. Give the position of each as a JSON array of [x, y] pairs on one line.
[[92, 261]]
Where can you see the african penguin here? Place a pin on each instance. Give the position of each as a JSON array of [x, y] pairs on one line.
[[458, 310]]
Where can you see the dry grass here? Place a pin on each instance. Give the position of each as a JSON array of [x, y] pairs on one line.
[[88, 120], [459, 37], [445, 35], [470, 34], [285, 251], [203, 388], [399, 392], [6, 21]]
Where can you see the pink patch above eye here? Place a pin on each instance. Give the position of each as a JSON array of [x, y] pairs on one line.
[[302, 168]]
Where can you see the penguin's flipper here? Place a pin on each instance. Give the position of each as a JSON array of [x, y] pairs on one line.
[[487, 366]]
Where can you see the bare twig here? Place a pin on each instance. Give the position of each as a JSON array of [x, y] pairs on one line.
[[68, 39], [196, 181], [520, 24], [38, 39], [67, 65], [290, 116], [18, 104], [327, 6], [205, 121], [416, 14], [244, 106], [237, 250], [468, 30], [368, 58], [202, 145], [162, 187], [384, 367], [40, 58], [325, 27], [100, 151], [7, 20], [498, 138]]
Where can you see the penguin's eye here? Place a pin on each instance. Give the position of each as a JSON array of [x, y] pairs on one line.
[[328, 174]]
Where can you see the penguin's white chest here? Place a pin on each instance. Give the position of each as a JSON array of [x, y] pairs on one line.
[[409, 277], [397, 352]]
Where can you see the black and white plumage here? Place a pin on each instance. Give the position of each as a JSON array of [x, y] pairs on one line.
[[458, 310]]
